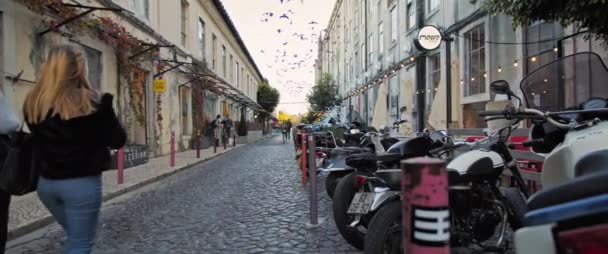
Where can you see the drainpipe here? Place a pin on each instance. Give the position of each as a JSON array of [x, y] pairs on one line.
[[420, 70]]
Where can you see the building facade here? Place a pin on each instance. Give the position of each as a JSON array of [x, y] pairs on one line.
[[131, 44], [368, 47]]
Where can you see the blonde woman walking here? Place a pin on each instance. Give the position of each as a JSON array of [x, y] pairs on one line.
[[72, 128]]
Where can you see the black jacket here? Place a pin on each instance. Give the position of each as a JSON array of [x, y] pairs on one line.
[[77, 147]]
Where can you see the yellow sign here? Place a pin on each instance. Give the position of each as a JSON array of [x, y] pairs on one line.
[[160, 85]]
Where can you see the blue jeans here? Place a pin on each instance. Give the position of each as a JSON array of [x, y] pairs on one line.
[[75, 204]]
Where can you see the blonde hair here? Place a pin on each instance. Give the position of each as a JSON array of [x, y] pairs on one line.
[[62, 88]]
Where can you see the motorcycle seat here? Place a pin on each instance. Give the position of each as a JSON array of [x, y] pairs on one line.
[[582, 187], [356, 149], [379, 157]]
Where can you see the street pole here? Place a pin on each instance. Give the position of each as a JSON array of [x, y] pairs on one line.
[[172, 156], [313, 183], [420, 71], [120, 161], [448, 79]]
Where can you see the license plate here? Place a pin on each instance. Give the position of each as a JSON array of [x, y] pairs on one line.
[[361, 203]]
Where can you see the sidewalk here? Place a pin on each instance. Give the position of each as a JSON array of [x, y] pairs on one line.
[[28, 214]]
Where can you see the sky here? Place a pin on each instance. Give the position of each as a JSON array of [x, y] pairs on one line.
[[281, 36]]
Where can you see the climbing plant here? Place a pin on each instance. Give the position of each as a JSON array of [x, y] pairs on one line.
[[106, 30]]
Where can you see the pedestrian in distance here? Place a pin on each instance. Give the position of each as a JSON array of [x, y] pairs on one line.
[[289, 125], [217, 129], [227, 124], [72, 127], [284, 132]]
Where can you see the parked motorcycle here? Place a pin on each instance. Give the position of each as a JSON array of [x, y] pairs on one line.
[[570, 215], [573, 152], [370, 142], [352, 206]]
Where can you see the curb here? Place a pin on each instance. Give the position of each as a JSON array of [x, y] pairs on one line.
[[47, 220]]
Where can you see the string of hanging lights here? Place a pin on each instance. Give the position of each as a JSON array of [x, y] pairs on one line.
[[378, 79]]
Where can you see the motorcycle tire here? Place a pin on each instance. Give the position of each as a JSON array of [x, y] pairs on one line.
[[518, 205], [331, 181], [384, 232], [343, 196]]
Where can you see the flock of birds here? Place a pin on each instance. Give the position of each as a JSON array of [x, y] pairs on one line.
[[296, 53]]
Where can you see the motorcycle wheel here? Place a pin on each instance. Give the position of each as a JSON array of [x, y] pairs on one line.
[[384, 231], [343, 196], [331, 181], [518, 205]]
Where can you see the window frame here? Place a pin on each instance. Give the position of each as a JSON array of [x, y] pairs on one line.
[[431, 74], [184, 20], [480, 97], [214, 51], [202, 37], [394, 15], [410, 16], [134, 4], [224, 53], [430, 10]]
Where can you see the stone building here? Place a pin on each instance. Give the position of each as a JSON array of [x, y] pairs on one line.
[[368, 47], [130, 44]]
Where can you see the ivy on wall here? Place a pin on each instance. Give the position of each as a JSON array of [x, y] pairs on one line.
[[109, 32]]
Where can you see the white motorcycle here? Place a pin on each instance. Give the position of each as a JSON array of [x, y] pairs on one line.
[[570, 214]]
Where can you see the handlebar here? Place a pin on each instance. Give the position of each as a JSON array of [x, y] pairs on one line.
[[525, 113]]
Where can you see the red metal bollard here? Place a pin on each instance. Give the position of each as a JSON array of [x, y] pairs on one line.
[[303, 158], [120, 161], [426, 213], [172, 161], [198, 144], [215, 140]]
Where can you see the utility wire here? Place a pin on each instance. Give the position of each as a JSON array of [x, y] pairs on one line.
[[524, 43]]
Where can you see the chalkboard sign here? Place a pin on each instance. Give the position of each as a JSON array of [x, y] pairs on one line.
[[135, 155]]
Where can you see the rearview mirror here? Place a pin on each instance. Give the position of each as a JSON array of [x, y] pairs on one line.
[[501, 87]]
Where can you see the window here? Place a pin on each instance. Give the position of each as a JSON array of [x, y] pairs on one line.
[[432, 5], [357, 22], [380, 39], [411, 15], [248, 84], [350, 71], [394, 99], [201, 37], [363, 65], [394, 25], [434, 78], [370, 50], [94, 66], [184, 22], [141, 8], [475, 61], [242, 75], [214, 51], [224, 61], [185, 99], [362, 16], [356, 67], [231, 78], [238, 73]]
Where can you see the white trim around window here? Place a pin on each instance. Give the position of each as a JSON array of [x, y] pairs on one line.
[[481, 97]]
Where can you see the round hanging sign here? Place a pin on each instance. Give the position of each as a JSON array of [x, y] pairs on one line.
[[428, 38]]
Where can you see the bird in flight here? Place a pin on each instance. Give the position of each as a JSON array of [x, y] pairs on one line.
[[284, 16]]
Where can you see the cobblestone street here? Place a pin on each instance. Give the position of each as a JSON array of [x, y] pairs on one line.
[[248, 201]]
